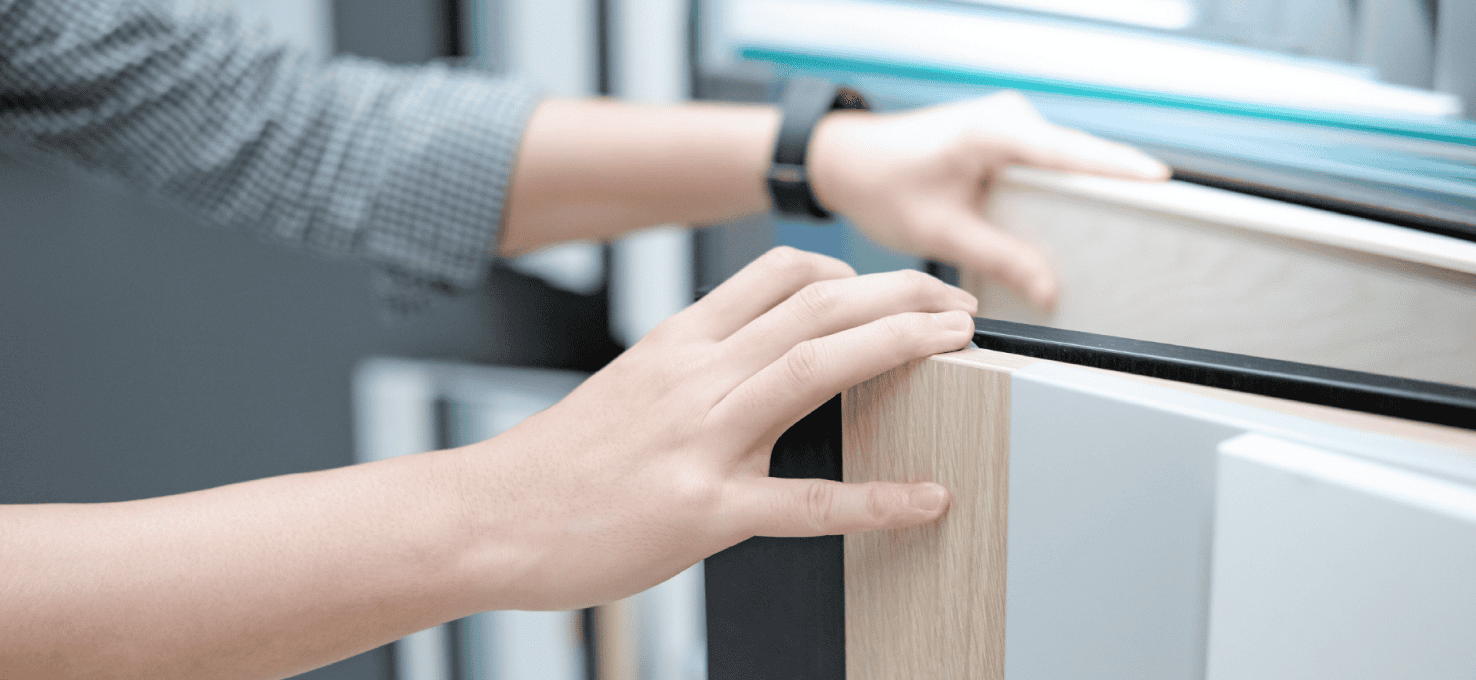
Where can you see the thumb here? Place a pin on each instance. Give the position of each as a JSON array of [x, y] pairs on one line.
[[819, 507]]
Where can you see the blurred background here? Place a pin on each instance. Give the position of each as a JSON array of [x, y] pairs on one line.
[[142, 354]]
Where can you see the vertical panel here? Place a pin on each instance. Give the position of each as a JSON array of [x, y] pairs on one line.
[[1455, 50], [776, 606], [1331, 567], [511, 645], [651, 274], [1110, 517], [930, 601], [1397, 38], [553, 44], [394, 415], [617, 632], [673, 631], [1109, 522]]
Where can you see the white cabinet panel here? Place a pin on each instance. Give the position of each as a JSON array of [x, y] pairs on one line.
[[1110, 503], [1112, 540], [1112, 498], [1333, 567]]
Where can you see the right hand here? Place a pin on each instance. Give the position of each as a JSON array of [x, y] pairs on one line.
[[662, 458]]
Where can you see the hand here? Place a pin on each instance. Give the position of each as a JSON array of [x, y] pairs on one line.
[[917, 181], [662, 458]]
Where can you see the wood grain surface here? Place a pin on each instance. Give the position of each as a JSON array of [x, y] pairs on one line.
[[929, 602], [1213, 269]]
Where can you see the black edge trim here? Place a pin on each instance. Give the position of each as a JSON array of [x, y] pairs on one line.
[[1428, 402]]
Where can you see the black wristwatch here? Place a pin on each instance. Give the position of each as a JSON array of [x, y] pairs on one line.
[[806, 101]]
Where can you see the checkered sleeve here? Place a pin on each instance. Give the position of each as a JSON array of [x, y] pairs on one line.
[[406, 168]]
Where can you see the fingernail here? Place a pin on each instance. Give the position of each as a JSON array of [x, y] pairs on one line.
[[928, 498], [1150, 168], [967, 297], [1043, 291]]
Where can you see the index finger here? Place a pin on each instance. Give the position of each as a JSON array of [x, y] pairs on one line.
[[1067, 150], [759, 287]]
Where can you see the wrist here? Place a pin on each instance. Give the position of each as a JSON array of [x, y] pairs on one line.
[[807, 102], [492, 562], [835, 158]]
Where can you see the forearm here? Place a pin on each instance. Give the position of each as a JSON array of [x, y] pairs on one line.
[[402, 168], [263, 579], [595, 169]]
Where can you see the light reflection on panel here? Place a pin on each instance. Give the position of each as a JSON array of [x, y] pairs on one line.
[[1330, 567]]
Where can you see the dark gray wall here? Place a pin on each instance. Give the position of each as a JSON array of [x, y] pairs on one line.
[[143, 354]]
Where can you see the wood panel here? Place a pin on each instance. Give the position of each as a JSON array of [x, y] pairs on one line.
[[1082, 522], [929, 602], [1206, 268]]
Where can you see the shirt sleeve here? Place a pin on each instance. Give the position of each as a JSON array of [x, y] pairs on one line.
[[406, 168]]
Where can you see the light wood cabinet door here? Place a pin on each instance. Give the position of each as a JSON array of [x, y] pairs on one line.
[[1083, 534], [1201, 267], [1110, 525]]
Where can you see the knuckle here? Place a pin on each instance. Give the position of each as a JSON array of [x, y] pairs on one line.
[[808, 266], [902, 329], [818, 299], [805, 364], [926, 290], [915, 278], [787, 262], [878, 504], [784, 257], [819, 506]]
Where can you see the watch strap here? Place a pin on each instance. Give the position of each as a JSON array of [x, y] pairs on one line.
[[806, 101]]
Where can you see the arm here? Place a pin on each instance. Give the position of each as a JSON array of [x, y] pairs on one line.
[[409, 169], [654, 463], [915, 181], [403, 168]]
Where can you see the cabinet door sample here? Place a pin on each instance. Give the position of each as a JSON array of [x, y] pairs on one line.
[[1332, 567], [1111, 502], [1080, 541], [934, 594], [1202, 267]]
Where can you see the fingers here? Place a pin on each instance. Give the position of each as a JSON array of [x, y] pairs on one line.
[[834, 305], [758, 287], [1068, 150], [815, 370], [969, 241], [818, 507]]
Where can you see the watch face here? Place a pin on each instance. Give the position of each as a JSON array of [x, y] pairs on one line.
[[849, 99]]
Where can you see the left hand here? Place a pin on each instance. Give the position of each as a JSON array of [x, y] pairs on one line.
[[917, 181], [662, 457]]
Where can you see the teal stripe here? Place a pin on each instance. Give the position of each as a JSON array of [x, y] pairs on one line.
[[1454, 132]]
